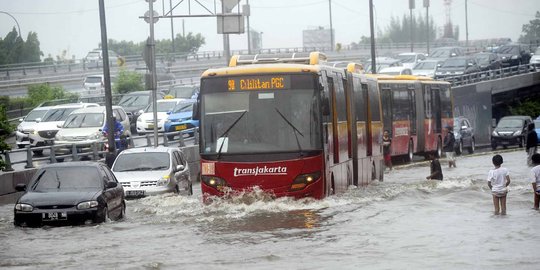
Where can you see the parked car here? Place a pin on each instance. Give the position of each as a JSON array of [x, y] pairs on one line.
[[45, 130], [84, 127], [396, 71], [181, 118], [74, 192], [383, 62], [464, 134], [184, 91], [27, 125], [411, 59], [457, 66], [514, 54], [95, 84], [145, 121], [510, 130], [426, 68], [152, 170], [135, 102], [94, 58], [535, 58], [488, 61], [443, 53]]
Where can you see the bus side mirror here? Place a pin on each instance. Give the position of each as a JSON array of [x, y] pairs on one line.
[[325, 106], [196, 115]]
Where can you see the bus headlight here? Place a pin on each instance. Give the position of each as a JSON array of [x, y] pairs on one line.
[[214, 182], [304, 180]]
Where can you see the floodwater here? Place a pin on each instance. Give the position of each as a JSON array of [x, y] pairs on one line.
[[405, 222]]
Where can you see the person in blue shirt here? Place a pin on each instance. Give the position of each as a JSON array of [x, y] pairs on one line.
[[119, 138]]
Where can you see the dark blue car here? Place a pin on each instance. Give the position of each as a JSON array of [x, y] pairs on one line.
[[180, 119]]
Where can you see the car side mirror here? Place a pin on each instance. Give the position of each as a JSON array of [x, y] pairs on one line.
[[112, 184], [141, 111], [20, 187], [180, 168], [439, 65], [453, 54], [59, 126], [38, 120], [21, 119]]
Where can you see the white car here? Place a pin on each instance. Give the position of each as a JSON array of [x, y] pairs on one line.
[[84, 127], [145, 121], [535, 59], [411, 58], [396, 71], [27, 125], [152, 170], [426, 68], [46, 129], [94, 58]]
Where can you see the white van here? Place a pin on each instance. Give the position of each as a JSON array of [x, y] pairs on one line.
[[95, 84]]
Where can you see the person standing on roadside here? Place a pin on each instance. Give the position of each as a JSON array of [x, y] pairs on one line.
[[532, 141], [498, 180], [535, 179], [448, 147], [387, 144], [434, 168]]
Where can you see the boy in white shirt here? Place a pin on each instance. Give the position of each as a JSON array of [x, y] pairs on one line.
[[535, 179], [498, 181]]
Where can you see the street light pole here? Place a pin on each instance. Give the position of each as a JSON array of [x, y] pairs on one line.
[[331, 28], [411, 7], [153, 71], [466, 27], [18, 27], [372, 33], [426, 5]]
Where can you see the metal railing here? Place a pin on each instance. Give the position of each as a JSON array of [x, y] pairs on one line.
[[92, 151], [487, 75]]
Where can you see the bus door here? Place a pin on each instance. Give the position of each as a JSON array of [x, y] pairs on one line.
[[436, 109], [361, 127], [387, 108]]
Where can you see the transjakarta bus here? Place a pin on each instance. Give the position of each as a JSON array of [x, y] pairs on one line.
[[416, 112], [289, 124]]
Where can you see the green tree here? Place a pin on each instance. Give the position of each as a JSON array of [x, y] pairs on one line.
[[188, 44], [13, 49], [531, 31], [38, 93], [5, 129], [527, 107], [398, 31], [128, 81], [31, 51]]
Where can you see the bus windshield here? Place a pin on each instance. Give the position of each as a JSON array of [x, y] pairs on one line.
[[261, 121]]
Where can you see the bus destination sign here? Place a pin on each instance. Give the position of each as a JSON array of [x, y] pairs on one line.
[[259, 83]]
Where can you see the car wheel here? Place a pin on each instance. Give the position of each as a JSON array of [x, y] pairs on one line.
[[103, 216], [459, 149], [122, 211], [170, 137], [493, 146], [520, 142], [21, 146], [38, 152], [472, 147]]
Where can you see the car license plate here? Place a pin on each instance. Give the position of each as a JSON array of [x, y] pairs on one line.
[[54, 216], [135, 193], [180, 127], [150, 126]]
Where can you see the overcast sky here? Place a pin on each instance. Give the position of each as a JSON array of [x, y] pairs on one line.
[[73, 25]]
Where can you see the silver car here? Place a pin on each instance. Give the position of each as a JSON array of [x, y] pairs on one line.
[[149, 171]]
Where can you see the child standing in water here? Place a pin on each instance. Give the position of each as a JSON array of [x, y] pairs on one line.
[[434, 168], [387, 143], [498, 181]]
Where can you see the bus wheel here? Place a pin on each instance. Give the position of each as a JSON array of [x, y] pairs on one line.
[[472, 147], [409, 156]]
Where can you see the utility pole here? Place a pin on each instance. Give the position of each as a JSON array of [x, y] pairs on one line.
[[466, 27], [226, 47], [150, 59], [172, 27], [372, 33], [246, 10], [107, 78], [331, 29], [426, 5], [411, 7]]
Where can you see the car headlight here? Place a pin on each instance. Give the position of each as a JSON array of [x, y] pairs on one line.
[[304, 180], [458, 72], [438, 73], [35, 132], [59, 137], [139, 119], [517, 133], [163, 181], [87, 205], [96, 135], [514, 57], [23, 207], [168, 120], [215, 182]]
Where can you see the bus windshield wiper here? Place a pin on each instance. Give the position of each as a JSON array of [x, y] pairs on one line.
[[295, 130], [227, 132]]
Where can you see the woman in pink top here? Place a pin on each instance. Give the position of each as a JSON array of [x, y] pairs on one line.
[[498, 181]]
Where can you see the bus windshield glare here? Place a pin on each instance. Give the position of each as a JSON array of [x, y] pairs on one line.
[[260, 119]]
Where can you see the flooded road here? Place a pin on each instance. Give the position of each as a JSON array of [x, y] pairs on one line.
[[404, 222]]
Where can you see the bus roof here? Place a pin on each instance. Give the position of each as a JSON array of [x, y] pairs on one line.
[[404, 78]]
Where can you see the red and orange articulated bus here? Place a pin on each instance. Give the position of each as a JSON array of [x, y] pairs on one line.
[[416, 112], [292, 125]]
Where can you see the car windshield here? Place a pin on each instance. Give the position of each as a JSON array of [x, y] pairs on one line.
[[508, 50], [454, 63], [440, 53], [134, 100], [482, 58], [94, 79], [82, 120], [93, 55], [537, 52], [164, 106], [66, 179], [536, 124], [406, 58], [59, 114], [261, 121], [35, 114], [183, 107], [510, 123], [146, 161], [182, 92], [426, 65]]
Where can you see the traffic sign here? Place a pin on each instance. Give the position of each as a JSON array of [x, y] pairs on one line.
[[147, 16]]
